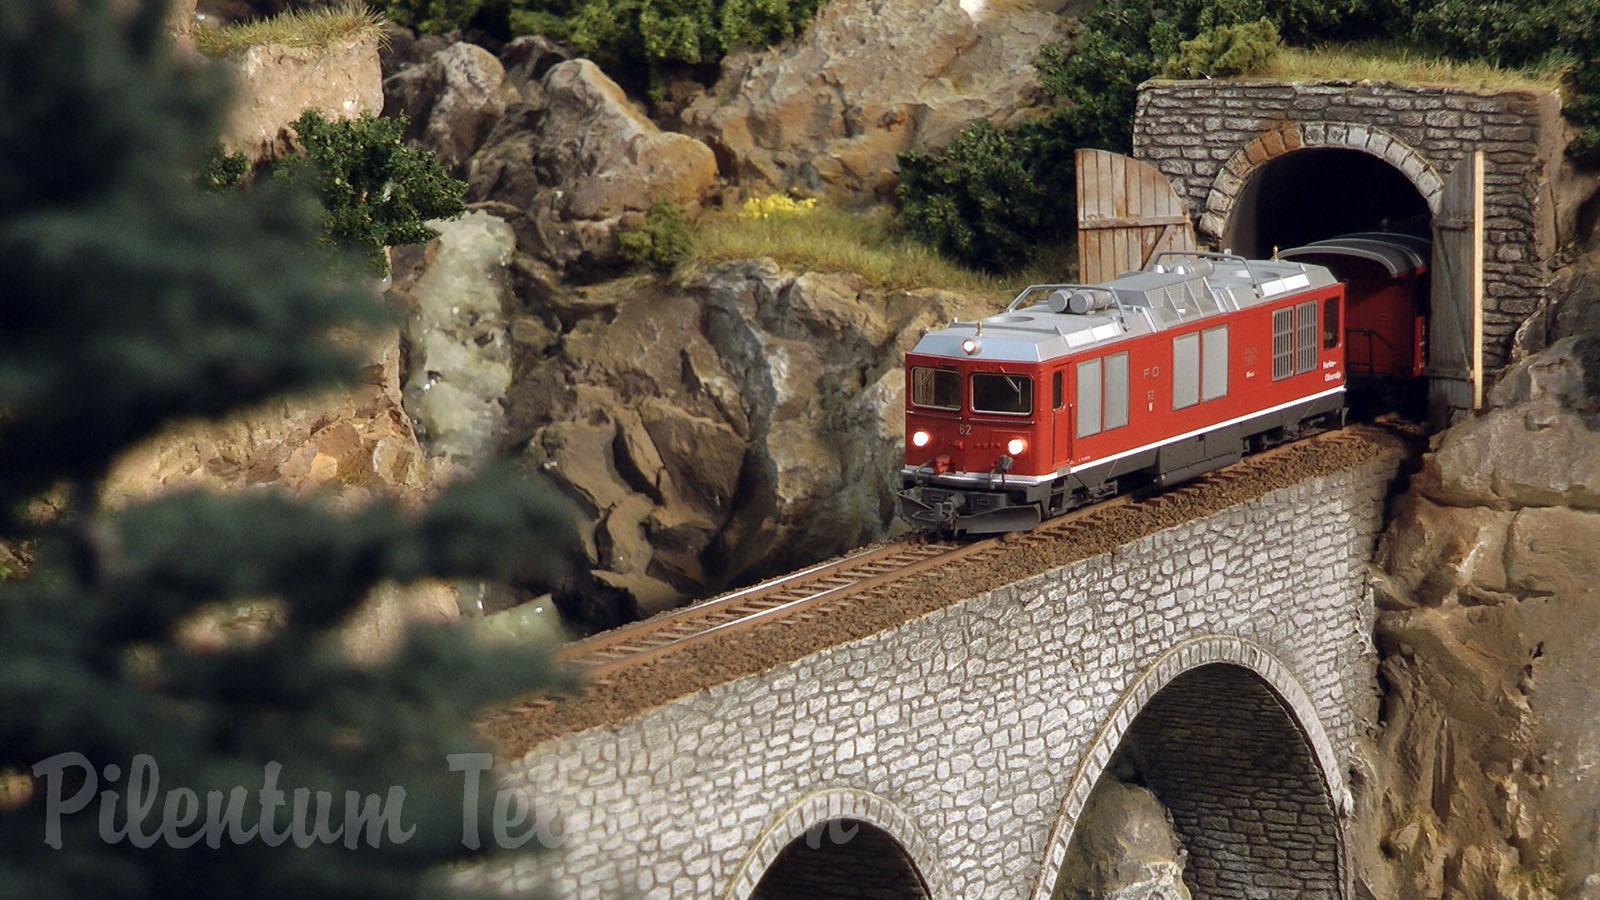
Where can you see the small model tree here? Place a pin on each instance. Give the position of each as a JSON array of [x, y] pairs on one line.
[[132, 298]]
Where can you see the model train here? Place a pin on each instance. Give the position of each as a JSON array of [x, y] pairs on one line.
[[1077, 391]]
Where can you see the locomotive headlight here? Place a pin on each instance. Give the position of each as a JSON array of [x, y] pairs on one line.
[[970, 346], [920, 438], [1016, 446]]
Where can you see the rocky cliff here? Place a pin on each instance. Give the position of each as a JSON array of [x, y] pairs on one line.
[[740, 422], [1485, 778]]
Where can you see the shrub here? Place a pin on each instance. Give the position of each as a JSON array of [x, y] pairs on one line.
[[429, 16], [662, 242], [1225, 50], [639, 36], [977, 200], [376, 191]]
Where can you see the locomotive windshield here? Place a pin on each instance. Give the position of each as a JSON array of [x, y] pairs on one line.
[[938, 388], [1010, 394]]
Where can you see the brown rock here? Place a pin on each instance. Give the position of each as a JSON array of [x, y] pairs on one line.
[[612, 156], [451, 101], [1555, 552], [827, 114], [276, 84]]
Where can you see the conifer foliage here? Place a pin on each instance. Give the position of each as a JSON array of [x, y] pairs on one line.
[[131, 298]]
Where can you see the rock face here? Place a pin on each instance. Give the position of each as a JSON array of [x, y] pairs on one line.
[[450, 101], [1124, 847], [582, 164], [549, 143], [1489, 758], [868, 80], [277, 83], [744, 423]]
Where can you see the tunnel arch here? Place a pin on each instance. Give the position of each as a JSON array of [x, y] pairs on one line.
[[825, 819], [1179, 669], [1230, 191]]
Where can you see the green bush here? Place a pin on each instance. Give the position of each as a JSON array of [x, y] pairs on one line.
[[978, 200], [429, 16], [377, 191], [662, 242], [1225, 50]]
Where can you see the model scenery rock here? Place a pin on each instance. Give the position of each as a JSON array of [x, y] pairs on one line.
[[1490, 591]]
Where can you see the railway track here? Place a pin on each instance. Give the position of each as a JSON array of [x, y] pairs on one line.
[[804, 595]]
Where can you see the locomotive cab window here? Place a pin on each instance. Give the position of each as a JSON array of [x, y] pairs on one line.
[[1330, 323], [1008, 394], [1055, 390], [936, 388]]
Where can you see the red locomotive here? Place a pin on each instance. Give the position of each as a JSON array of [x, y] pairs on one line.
[[1156, 376]]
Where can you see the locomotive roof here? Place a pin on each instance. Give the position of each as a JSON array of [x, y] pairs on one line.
[[1169, 293]]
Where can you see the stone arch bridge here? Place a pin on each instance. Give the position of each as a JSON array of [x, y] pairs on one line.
[[949, 758]]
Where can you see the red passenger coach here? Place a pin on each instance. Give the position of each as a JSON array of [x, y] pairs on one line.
[[1156, 376]]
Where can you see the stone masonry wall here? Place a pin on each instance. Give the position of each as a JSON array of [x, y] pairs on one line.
[[973, 735], [1246, 803], [1199, 134]]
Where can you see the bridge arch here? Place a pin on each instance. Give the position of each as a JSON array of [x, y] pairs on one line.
[[1244, 168], [841, 816], [1214, 653]]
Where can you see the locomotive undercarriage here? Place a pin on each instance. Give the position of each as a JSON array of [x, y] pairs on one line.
[[1000, 507]]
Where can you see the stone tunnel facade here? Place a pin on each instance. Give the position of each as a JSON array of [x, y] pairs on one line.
[[1210, 137], [967, 741]]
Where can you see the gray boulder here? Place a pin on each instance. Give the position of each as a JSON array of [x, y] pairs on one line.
[[1538, 445], [580, 163], [451, 100], [1124, 847]]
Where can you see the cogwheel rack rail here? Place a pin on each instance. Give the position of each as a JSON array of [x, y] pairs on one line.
[[802, 596]]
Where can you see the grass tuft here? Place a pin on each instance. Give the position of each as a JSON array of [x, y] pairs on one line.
[[870, 244], [1379, 61], [300, 28]]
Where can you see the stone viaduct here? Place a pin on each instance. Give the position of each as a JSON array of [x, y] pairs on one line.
[[1227, 660]]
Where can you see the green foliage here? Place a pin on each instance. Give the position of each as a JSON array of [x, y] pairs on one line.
[[641, 35], [1225, 50], [225, 171], [662, 242], [377, 191], [429, 16], [136, 298], [978, 199]]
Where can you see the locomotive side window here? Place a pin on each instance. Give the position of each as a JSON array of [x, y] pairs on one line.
[[1282, 343], [937, 388], [1305, 339], [1055, 390], [1185, 371], [1214, 362], [1330, 323], [1088, 398], [1009, 394], [1116, 391]]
